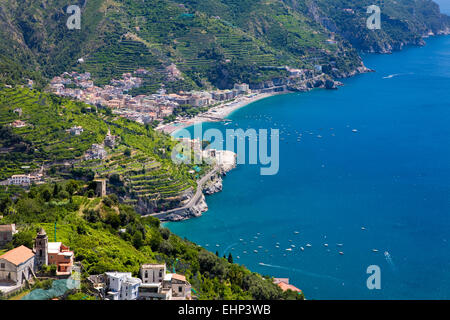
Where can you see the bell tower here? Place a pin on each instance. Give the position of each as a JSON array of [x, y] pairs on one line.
[[41, 248]]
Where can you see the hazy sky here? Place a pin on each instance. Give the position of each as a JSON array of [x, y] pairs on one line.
[[445, 5]]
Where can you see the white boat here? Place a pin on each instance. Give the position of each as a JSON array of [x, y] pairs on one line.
[[308, 245], [289, 249], [255, 251], [296, 232], [374, 250], [339, 244], [341, 253], [354, 130], [325, 244], [301, 248]]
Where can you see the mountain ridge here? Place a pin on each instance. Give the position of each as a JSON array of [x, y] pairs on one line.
[[214, 43]]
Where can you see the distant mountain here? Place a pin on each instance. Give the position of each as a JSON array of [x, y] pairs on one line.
[[214, 43]]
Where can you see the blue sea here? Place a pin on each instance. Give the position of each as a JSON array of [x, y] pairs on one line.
[[384, 187]]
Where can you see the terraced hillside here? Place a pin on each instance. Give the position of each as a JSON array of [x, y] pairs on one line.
[[213, 42], [138, 167]]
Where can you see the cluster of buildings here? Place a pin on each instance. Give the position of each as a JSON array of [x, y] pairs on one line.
[[154, 284], [141, 108], [17, 266]]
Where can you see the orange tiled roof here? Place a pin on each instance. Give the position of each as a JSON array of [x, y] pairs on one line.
[[284, 286], [18, 255], [178, 277]]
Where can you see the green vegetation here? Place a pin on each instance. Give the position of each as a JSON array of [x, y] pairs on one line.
[[107, 236], [138, 168], [403, 22], [213, 42]]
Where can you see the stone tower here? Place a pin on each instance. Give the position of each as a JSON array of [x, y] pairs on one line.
[[41, 248], [100, 188]]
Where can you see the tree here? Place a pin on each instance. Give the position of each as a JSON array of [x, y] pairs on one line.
[[113, 220], [71, 187], [137, 240], [56, 190], [165, 233], [23, 238], [46, 195], [230, 258], [127, 152]]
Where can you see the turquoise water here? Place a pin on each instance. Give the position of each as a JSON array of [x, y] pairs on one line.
[[391, 177]]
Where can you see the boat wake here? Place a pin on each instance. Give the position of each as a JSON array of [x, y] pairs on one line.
[[229, 247], [395, 75], [388, 257], [306, 273], [391, 76]]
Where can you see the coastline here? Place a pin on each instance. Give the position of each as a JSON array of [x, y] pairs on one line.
[[217, 113], [225, 230]]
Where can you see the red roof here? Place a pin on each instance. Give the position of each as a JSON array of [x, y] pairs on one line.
[[18, 255]]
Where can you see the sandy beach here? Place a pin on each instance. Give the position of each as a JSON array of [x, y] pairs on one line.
[[217, 113]]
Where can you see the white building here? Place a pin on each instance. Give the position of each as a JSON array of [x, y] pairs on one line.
[[97, 151], [241, 87], [17, 266], [122, 286], [76, 131], [23, 179]]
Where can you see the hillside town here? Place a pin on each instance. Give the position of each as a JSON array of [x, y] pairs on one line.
[[21, 266], [141, 108], [162, 106]]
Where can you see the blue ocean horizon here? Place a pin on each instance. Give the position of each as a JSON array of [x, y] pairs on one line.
[[384, 187]]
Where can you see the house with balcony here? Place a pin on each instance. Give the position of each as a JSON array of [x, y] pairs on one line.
[[61, 256]]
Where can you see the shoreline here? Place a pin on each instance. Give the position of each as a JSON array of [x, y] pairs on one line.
[[217, 113]]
